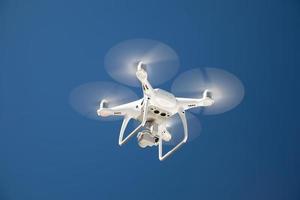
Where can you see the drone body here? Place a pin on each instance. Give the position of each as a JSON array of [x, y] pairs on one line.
[[153, 111]]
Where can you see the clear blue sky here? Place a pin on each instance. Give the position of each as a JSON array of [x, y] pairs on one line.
[[48, 151]]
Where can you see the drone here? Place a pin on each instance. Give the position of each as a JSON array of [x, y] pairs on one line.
[[157, 106], [152, 111]]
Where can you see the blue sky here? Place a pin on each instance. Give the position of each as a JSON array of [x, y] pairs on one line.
[[48, 151]]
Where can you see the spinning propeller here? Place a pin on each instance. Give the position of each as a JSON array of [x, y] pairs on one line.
[[227, 90], [121, 60], [86, 98]]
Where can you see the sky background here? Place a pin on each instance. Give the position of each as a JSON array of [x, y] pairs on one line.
[[48, 151]]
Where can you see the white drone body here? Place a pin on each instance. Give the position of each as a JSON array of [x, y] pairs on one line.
[[153, 111]]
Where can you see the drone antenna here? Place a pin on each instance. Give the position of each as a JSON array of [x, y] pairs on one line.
[[104, 104], [141, 66]]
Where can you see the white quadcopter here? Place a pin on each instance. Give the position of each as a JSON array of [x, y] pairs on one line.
[[154, 110]]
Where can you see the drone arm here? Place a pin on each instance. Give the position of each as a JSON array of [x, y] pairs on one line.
[[160, 147], [188, 103], [147, 88], [142, 75], [129, 109]]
